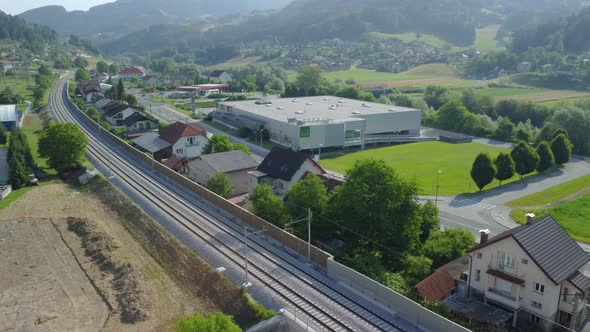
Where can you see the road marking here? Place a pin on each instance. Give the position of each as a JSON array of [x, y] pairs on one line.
[[464, 225]]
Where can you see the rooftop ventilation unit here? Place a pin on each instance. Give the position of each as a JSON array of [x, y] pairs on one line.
[[341, 101], [392, 109], [294, 100], [308, 104], [356, 112], [280, 108], [291, 120], [326, 99], [300, 112]]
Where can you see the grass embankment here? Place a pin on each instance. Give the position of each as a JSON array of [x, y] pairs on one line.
[[422, 161], [188, 270], [505, 92], [568, 203], [485, 39]]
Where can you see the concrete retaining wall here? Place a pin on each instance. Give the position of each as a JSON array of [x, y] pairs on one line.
[[287, 239], [404, 307]]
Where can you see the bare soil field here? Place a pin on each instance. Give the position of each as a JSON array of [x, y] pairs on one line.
[[68, 263], [547, 95]]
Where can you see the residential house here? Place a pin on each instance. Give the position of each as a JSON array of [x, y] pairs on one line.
[[128, 73], [154, 145], [533, 271], [282, 168], [90, 90], [138, 124], [6, 66], [220, 76], [187, 139], [151, 82], [102, 102], [437, 286], [236, 164], [524, 67], [10, 117], [102, 77], [115, 114]]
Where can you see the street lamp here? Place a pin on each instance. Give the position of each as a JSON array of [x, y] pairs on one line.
[[437, 187], [308, 219], [261, 130], [246, 283]]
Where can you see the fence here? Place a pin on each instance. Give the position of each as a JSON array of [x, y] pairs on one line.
[[287, 239], [404, 307]]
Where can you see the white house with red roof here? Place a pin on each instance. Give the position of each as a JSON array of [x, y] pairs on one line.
[[102, 77], [128, 73], [187, 139]]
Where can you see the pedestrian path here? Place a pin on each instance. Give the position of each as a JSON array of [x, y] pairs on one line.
[[473, 203]]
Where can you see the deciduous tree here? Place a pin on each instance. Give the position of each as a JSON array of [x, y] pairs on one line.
[[443, 247], [308, 193], [269, 206], [221, 184], [218, 143], [64, 146]]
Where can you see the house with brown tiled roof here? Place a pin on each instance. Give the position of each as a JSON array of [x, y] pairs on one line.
[[128, 73], [187, 139]]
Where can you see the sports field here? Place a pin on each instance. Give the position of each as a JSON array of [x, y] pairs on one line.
[[422, 161], [435, 72]]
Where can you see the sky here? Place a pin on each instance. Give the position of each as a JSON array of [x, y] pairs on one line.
[[19, 6]]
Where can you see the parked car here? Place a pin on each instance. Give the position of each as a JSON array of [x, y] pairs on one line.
[[32, 181]]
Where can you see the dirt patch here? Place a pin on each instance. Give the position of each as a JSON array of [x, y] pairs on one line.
[[42, 285], [547, 95], [50, 282], [128, 283]]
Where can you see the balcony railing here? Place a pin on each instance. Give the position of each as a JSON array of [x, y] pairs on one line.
[[500, 272], [503, 294]]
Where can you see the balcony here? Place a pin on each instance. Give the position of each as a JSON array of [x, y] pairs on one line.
[[503, 273], [503, 297]]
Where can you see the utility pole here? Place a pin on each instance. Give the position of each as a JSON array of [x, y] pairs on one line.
[[308, 219], [261, 130], [246, 283], [437, 187], [320, 153]]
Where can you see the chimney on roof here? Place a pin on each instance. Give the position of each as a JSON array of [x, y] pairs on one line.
[[484, 234], [529, 218]]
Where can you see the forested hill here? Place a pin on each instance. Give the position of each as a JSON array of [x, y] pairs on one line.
[[32, 37], [125, 16], [310, 20], [568, 35]]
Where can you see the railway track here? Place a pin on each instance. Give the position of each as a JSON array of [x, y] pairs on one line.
[[326, 308]]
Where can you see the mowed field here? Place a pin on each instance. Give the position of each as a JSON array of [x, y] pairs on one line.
[[548, 95], [435, 73], [422, 161], [568, 203]]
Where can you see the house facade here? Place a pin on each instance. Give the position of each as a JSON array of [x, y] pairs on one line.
[[128, 73], [221, 76], [281, 169], [187, 140], [534, 272], [137, 124], [236, 164], [10, 117], [117, 113]]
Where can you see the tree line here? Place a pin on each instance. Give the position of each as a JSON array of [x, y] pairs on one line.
[[522, 160]]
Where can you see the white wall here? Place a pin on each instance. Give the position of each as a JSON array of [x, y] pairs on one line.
[[188, 150], [531, 272]]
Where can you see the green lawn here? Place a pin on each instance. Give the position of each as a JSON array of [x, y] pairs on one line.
[[571, 215], [485, 39], [365, 76], [411, 37], [430, 71], [505, 92], [553, 194], [422, 161]]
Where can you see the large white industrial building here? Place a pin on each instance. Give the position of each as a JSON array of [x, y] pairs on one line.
[[322, 122]]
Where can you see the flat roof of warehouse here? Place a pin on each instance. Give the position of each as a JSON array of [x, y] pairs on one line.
[[315, 109]]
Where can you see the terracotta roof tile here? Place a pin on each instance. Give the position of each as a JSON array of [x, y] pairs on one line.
[[436, 286]]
